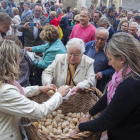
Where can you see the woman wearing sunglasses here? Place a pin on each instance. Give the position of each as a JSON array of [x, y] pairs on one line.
[[66, 36]]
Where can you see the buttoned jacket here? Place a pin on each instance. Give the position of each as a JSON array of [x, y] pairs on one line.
[[56, 73], [13, 106]]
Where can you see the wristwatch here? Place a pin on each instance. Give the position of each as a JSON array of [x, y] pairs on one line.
[[88, 117]]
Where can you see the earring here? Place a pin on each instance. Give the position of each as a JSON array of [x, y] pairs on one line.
[[121, 62]]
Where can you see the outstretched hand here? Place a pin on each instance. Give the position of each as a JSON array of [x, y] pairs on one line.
[[45, 89]]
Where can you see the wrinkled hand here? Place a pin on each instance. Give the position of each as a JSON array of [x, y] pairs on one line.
[[98, 76], [63, 90], [29, 49], [76, 131], [84, 119], [26, 25], [74, 90], [38, 25], [45, 89]]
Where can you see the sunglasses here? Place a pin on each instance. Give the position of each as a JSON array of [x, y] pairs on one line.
[[77, 21], [102, 39]]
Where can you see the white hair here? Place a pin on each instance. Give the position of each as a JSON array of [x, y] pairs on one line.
[[57, 4], [77, 43], [102, 28], [84, 6], [134, 23]]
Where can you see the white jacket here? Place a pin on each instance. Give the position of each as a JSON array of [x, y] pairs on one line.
[[56, 73], [13, 106], [15, 22]]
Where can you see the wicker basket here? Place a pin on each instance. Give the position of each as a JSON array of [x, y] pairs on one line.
[[79, 103]]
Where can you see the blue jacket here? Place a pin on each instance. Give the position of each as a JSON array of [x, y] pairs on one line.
[[100, 64], [64, 23], [115, 22], [50, 50], [26, 13]]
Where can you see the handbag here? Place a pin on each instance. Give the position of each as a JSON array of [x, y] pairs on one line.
[[61, 32]]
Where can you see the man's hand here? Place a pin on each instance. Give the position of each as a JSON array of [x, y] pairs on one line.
[[29, 49], [98, 76], [74, 90], [38, 25], [26, 25]]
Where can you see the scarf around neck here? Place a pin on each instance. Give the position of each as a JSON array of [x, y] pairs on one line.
[[114, 83]]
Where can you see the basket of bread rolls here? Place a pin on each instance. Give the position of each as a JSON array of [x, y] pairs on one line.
[[59, 124]]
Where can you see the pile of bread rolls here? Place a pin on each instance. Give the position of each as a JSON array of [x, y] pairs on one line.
[[57, 124]]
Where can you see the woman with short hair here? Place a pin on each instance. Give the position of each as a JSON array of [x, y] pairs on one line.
[[64, 20], [74, 68], [121, 103], [49, 34], [124, 26]]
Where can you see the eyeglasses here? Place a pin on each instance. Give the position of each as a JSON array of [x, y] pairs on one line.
[[39, 11], [102, 39], [95, 16], [74, 54], [124, 26], [123, 16], [77, 21]]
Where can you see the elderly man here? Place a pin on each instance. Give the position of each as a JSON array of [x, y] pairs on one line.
[[95, 50], [32, 33], [5, 23], [96, 17], [84, 30], [111, 17], [57, 9], [133, 29], [73, 68], [4, 5], [129, 16]]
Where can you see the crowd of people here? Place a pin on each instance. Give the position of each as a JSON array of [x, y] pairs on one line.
[[81, 48]]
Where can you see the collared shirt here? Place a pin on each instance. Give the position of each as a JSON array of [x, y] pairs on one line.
[[100, 58], [100, 64], [35, 29], [94, 24]]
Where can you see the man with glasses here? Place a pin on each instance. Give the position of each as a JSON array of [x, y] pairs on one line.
[[133, 29], [33, 30], [84, 30], [96, 17], [95, 50]]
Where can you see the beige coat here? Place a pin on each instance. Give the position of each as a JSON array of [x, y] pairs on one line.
[[15, 22], [13, 106], [56, 73]]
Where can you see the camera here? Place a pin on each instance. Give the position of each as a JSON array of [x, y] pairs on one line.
[[32, 24]]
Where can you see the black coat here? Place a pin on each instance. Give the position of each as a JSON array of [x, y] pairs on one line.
[[122, 116]]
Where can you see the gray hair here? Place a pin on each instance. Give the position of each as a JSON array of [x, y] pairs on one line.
[[84, 6], [105, 21], [76, 42], [57, 4], [4, 2], [134, 23], [102, 28], [88, 12]]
